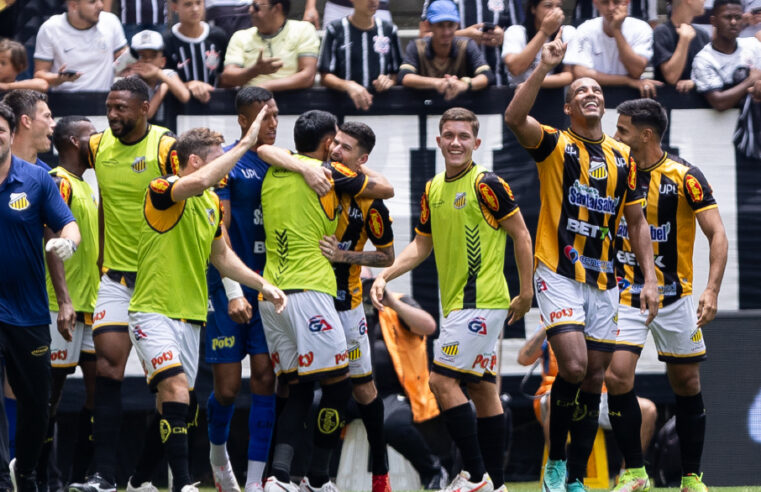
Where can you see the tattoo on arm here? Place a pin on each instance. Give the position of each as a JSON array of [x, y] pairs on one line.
[[378, 258]]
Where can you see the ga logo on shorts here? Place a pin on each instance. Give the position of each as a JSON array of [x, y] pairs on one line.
[[477, 325], [451, 348], [318, 323]]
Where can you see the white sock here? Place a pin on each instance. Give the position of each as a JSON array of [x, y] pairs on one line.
[[218, 454], [255, 472]]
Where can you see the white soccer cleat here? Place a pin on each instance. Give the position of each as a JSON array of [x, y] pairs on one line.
[[144, 487], [191, 487], [272, 484], [462, 483], [254, 487], [328, 486], [224, 478]]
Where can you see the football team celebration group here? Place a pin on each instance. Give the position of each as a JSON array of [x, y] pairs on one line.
[[285, 234]]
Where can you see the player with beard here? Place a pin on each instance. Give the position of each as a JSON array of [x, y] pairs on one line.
[[234, 329], [587, 182]]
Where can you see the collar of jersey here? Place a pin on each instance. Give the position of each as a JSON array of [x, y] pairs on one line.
[[583, 139], [460, 174], [658, 162]]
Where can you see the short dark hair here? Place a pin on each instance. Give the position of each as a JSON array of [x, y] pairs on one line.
[[285, 3], [24, 102], [460, 114], [65, 128], [311, 127], [17, 54], [646, 112], [198, 141], [362, 133], [135, 85], [722, 3], [250, 95], [6, 113]]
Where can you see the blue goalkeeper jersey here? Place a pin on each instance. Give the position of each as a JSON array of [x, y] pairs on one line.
[[243, 187]]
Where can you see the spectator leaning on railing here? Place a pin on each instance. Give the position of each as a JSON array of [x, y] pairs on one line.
[[372, 59], [613, 49], [277, 54], [444, 62], [522, 47]]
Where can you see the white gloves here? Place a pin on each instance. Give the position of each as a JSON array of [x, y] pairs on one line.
[[233, 289], [62, 248]]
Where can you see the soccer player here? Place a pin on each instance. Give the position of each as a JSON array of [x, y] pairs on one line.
[[677, 194], [73, 345], [235, 327], [587, 180], [466, 214], [182, 230], [126, 157], [31, 202], [35, 125], [306, 343], [360, 219]]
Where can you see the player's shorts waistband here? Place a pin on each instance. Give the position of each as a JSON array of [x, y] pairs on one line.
[[125, 278]]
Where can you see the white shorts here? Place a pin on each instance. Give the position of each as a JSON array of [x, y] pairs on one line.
[[306, 340], [675, 332], [166, 347], [112, 306], [357, 344], [568, 305], [66, 355], [603, 420], [466, 347]]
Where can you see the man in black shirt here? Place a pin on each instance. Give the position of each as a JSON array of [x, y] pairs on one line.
[[676, 42]]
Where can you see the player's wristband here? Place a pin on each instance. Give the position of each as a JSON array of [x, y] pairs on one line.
[[233, 289]]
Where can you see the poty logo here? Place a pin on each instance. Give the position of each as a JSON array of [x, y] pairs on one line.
[[99, 315], [477, 325], [305, 360], [318, 323], [342, 357], [560, 314], [161, 359], [222, 342], [485, 362], [571, 254], [59, 355]]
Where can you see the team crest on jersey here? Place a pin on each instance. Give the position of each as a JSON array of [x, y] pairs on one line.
[[138, 165], [459, 200], [211, 59], [343, 169], [694, 189], [212, 215], [598, 170], [376, 223], [451, 348], [19, 201], [495, 5], [381, 44], [632, 181], [489, 197]]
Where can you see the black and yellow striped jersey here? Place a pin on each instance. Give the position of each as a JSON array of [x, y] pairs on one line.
[[584, 186], [360, 219], [675, 192]]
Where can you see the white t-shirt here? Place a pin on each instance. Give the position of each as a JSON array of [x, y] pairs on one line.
[[90, 51], [713, 70], [515, 41], [594, 49]]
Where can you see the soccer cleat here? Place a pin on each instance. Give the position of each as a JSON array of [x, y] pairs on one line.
[[272, 484], [381, 483], [12, 469], [224, 478], [191, 487], [94, 483], [693, 483], [633, 480], [462, 483], [254, 487], [328, 486], [438, 481], [554, 476], [143, 487], [577, 486]]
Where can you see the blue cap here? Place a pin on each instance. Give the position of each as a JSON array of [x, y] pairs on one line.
[[442, 11]]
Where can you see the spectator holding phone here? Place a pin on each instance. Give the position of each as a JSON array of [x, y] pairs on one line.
[[75, 50], [522, 47]]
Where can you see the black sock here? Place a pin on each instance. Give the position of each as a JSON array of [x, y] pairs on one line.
[[151, 453], [83, 446], [330, 419], [583, 433], [562, 404], [691, 429], [626, 421], [372, 417], [491, 440], [461, 424], [174, 436], [44, 459], [290, 428], [107, 419]]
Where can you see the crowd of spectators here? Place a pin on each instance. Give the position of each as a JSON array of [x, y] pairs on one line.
[[189, 48]]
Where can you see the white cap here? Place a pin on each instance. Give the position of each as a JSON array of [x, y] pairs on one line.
[[147, 40]]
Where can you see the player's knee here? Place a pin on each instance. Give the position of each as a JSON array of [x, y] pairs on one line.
[[364, 393], [109, 368], [573, 371], [262, 381], [174, 388], [440, 385], [686, 384], [617, 383]]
